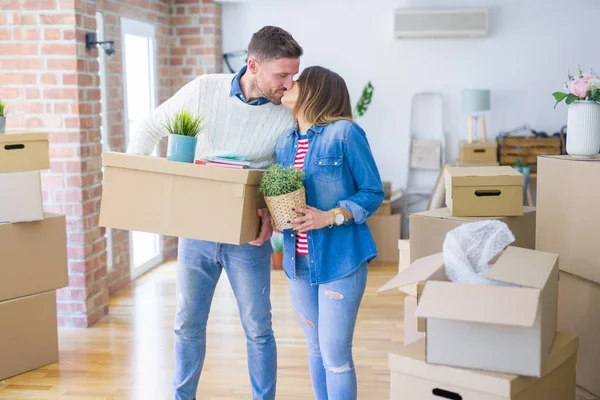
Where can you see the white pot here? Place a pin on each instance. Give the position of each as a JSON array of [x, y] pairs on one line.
[[2, 124], [583, 129]]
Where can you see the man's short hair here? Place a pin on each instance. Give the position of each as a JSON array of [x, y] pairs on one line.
[[272, 42]]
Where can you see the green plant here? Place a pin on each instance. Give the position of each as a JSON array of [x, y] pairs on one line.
[[277, 243], [365, 99], [519, 164], [279, 180], [2, 107], [183, 123]]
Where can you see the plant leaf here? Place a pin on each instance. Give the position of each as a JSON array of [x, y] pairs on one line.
[[559, 96], [571, 98], [279, 180]]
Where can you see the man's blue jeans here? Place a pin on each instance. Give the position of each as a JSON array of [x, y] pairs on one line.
[[249, 271]]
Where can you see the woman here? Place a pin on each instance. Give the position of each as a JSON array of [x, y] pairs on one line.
[[326, 255]]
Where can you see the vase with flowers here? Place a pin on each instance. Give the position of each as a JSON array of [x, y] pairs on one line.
[[582, 95]]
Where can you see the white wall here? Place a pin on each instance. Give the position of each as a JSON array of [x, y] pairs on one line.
[[530, 47]]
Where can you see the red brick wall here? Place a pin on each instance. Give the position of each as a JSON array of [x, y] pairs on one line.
[[51, 84], [196, 45]]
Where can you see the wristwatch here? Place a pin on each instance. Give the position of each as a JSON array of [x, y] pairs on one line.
[[338, 216]]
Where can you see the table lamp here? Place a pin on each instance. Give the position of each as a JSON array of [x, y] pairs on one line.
[[475, 101]]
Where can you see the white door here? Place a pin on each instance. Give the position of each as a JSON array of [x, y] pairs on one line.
[[138, 47]]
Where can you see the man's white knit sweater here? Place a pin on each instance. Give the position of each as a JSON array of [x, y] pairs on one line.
[[232, 128]]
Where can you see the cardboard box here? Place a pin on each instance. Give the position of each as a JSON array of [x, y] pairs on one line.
[[24, 152], [484, 191], [507, 329], [386, 233], [579, 312], [387, 188], [33, 257], [428, 230], [404, 253], [471, 164], [568, 198], [413, 379], [28, 338], [478, 152], [384, 209], [21, 197], [411, 331], [152, 194]]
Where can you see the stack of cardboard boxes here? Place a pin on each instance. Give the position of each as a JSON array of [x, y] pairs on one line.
[[34, 258], [568, 222], [385, 226], [466, 341]]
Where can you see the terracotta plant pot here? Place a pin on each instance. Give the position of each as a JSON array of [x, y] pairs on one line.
[[278, 260]]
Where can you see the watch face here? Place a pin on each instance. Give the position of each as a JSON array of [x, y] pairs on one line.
[[339, 219]]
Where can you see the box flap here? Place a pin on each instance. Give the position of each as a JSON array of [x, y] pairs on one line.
[[22, 137], [162, 165], [444, 213], [524, 267], [502, 305], [571, 158], [478, 145], [410, 360], [484, 176], [421, 270], [404, 244]]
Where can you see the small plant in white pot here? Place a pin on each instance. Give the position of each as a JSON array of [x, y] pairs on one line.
[[183, 131], [283, 189], [2, 117], [583, 123]]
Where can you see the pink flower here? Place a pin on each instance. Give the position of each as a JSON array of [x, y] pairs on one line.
[[581, 86]]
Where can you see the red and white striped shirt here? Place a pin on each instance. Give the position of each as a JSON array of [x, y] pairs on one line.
[[301, 242]]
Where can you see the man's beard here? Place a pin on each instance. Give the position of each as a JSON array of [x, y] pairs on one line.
[[269, 95]]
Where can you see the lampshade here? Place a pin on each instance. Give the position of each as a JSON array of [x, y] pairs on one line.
[[475, 100]]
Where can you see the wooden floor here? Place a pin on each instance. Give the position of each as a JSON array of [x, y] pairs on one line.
[[129, 354]]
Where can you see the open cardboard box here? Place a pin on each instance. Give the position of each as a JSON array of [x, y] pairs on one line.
[[507, 329], [411, 331], [413, 379], [484, 191], [152, 194], [428, 230]]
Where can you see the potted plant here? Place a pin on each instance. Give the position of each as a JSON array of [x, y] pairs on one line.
[[583, 122], [283, 189], [2, 117], [277, 244], [183, 131], [365, 99]]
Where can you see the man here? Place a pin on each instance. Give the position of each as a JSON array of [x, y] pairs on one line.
[[243, 117]]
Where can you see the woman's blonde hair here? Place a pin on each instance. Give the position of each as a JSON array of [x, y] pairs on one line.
[[323, 97]]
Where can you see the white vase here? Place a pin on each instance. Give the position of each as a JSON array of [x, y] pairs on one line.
[[2, 124], [583, 129]]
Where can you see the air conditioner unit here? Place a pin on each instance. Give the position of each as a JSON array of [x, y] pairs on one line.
[[432, 23]]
